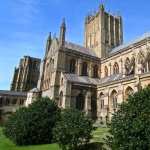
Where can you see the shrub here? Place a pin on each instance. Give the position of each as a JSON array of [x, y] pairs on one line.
[[130, 126], [73, 129], [33, 125]]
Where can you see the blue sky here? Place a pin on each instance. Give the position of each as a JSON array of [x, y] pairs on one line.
[[25, 24]]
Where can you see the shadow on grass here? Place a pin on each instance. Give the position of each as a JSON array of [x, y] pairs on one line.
[[91, 146]]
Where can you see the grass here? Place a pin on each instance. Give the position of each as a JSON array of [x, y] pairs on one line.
[[6, 144], [100, 134]]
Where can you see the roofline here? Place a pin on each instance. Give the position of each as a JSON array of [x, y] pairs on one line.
[[126, 48], [81, 53]]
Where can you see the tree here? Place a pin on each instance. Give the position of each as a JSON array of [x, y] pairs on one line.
[[130, 126], [33, 125], [73, 129]]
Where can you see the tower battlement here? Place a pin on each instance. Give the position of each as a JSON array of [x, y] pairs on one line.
[[103, 31]]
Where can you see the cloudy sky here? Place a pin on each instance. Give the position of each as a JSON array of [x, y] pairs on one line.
[[25, 24]]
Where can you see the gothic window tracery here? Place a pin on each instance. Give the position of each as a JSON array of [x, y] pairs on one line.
[[129, 91], [114, 101], [116, 68], [129, 66]]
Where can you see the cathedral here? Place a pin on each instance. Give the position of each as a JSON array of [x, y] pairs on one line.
[[98, 76]]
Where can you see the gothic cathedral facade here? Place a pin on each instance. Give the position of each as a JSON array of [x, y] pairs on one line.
[[98, 76]]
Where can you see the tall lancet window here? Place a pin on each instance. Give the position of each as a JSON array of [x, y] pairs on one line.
[[116, 68], [72, 66], [84, 69]]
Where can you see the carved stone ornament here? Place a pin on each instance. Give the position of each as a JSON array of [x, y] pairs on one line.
[[141, 58], [130, 66]]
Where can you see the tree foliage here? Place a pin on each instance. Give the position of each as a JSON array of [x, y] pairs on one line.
[[33, 125], [130, 126], [73, 129]]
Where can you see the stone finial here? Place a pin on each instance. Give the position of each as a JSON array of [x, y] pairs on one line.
[[102, 7], [49, 37], [62, 33]]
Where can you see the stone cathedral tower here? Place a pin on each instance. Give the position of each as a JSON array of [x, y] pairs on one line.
[[103, 32]]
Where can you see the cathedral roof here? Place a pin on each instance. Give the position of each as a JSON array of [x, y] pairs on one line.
[[80, 49], [35, 90], [130, 44], [81, 79], [93, 81], [12, 93], [111, 78]]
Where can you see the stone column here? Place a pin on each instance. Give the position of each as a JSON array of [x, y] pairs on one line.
[[88, 103], [140, 68], [110, 71], [121, 66], [79, 66], [120, 31], [88, 69], [123, 69], [109, 28], [114, 20], [137, 84], [67, 101]]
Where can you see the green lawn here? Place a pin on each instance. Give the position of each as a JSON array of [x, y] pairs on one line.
[[6, 144], [100, 134]]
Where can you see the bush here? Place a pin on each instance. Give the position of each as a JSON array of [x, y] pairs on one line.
[[33, 125], [73, 129], [130, 126]]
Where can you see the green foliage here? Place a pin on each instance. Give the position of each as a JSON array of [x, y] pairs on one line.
[[130, 126], [33, 125], [73, 129]]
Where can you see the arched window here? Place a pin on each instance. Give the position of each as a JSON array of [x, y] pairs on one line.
[[113, 100], [148, 65], [62, 81], [127, 66], [7, 102], [72, 66], [1, 101], [14, 101], [101, 97], [116, 68], [95, 71], [21, 101], [106, 71], [80, 100], [148, 61], [128, 91], [60, 99], [84, 69]]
